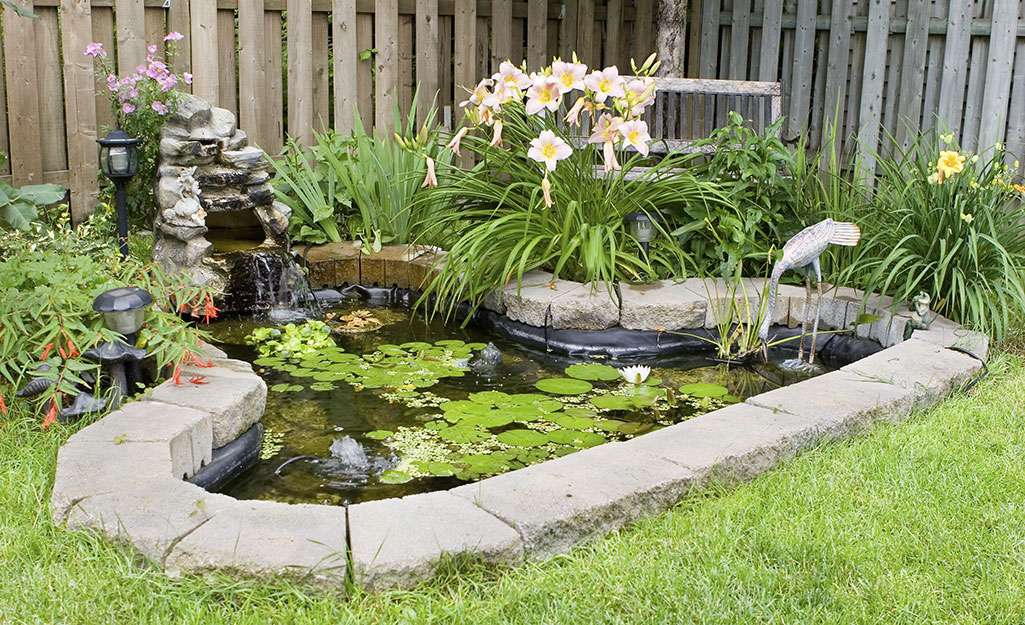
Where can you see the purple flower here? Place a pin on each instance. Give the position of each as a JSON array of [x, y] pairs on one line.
[[152, 49], [112, 83], [159, 107], [168, 82], [174, 36], [133, 92], [187, 77], [127, 108], [95, 49]]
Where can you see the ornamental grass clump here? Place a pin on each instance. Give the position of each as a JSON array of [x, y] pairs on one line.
[[948, 222], [542, 192]]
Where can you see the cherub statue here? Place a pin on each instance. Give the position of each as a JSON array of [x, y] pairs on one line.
[[187, 211]]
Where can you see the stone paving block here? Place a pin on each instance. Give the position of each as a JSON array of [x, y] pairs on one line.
[[206, 350], [735, 443], [187, 432], [835, 313], [267, 540], [529, 301], [234, 398], [397, 543], [718, 293], [563, 502], [85, 469], [494, 301], [396, 264], [331, 264], [150, 517], [784, 294], [839, 402], [945, 333], [420, 268], [666, 304], [589, 307], [918, 365]]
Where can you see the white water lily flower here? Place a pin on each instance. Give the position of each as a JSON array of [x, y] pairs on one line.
[[635, 374]]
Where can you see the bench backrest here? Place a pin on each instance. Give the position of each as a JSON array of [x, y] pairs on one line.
[[688, 109]]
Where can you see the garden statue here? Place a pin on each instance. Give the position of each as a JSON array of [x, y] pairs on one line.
[[801, 252], [187, 211], [921, 316]]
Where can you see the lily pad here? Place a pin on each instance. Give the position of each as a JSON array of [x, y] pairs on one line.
[[378, 435], [572, 423], [522, 438], [462, 434], [575, 438], [612, 402], [592, 371], [564, 386], [490, 398], [394, 476], [322, 386], [703, 389]]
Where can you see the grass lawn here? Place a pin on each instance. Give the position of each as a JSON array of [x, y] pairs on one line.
[[921, 522]]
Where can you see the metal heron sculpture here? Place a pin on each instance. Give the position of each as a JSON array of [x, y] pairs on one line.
[[801, 251]]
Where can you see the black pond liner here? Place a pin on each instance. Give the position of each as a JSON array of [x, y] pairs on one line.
[[230, 460]]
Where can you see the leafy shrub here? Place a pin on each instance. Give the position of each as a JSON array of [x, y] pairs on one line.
[[48, 280], [949, 223], [141, 102], [537, 196], [313, 192]]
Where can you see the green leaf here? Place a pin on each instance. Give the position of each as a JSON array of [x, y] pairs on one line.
[[522, 438], [394, 476], [378, 435], [575, 438], [42, 194], [19, 214], [703, 389], [563, 386], [592, 371]]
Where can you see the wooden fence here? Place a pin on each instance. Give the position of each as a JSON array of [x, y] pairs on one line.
[[288, 67]]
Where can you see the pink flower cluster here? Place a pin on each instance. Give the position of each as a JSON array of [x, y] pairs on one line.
[[127, 89]]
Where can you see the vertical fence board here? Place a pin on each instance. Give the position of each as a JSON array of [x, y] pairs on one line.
[[131, 34], [870, 116], [50, 89], [909, 109], [976, 82], [102, 23], [252, 91], [300, 71], [772, 18], [203, 36], [481, 53], [155, 29], [996, 93], [386, 40], [365, 69], [273, 119], [709, 55], [955, 69], [501, 32], [613, 32], [227, 73], [801, 84], [5, 167], [643, 31], [344, 59], [179, 20], [585, 32], [537, 33], [465, 32], [26, 156], [445, 27], [836, 70], [80, 107], [740, 35], [855, 72], [427, 55], [405, 75], [1016, 112], [321, 72], [568, 29], [894, 65], [818, 108], [933, 77]]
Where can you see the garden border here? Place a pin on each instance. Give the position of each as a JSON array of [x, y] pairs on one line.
[[123, 475]]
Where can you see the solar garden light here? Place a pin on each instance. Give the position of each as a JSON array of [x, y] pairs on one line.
[[119, 161], [642, 227], [123, 310]]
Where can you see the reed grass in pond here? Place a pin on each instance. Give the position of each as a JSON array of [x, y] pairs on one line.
[[414, 406]]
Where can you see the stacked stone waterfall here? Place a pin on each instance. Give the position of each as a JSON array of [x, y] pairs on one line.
[[211, 182]]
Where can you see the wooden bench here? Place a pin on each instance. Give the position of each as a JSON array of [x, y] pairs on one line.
[[689, 109]]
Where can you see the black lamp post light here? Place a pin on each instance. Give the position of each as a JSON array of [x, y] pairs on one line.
[[119, 161], [642, 227], [123, 310]]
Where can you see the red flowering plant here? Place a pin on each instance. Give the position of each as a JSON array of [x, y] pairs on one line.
[[141, 102], [47, 320]]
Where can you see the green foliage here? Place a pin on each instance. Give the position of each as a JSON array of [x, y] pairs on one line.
[[312, 191], [755, 172], [48, 280], [958, 236], [291, 340], [19, 207], [141, 102]]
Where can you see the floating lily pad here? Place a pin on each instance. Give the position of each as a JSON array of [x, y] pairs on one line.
[[490, 398], [563, 386], [476, 346], [525, 398], [703, 389], [732, 399], [437, 424], [484, 463], [579, 412], [609, 425], [415, 346], [280, 388], [322, 386], [462, 434], [632, 428], [576, 438], [592, 371], [269, 361], [612, 402], [303, 373], [572, 423], [522, 438], [449, 343], [394, 476], [378, 435]]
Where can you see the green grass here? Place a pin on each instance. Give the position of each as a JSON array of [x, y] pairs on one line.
[[920, 522]]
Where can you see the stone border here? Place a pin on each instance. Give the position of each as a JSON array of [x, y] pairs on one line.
[[123, 475]]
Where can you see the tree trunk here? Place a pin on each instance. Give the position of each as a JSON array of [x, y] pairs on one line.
[[671, 37]]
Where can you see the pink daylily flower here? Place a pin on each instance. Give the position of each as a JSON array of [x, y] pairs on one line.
[[573, 116], [570, 76], [605, 83], [478, 94], [548, 149], [431, 179], [543, 94], [511, 76], [607, 129], [454, 143], [546, 188], [496, 140], [635, 133], [609, 153]]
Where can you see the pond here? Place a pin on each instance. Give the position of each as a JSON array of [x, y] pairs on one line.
[[417, 405]]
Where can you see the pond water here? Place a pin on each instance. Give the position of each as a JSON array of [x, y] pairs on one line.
[[413, 406]]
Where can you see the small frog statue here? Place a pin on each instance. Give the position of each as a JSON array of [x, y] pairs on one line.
[[921, 316]]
